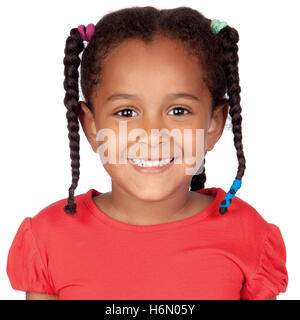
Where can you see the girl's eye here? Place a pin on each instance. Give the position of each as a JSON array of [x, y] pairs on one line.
[[180, 112], [126, 112]]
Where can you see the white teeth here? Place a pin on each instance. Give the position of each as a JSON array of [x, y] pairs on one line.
[[150, 163]]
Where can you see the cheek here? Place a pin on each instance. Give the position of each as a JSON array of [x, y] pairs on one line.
[[115, 171], [193, 146], [107, 139], [193, 135]]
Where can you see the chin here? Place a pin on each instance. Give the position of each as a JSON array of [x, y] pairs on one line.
[[151, 194]]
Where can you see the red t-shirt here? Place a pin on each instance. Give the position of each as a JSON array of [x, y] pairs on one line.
[[93, 256]]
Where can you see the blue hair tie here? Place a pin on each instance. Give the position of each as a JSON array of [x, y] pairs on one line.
[[228, 198]]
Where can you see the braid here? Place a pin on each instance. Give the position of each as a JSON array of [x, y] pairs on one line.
[[74, 45], [198, 180], [229, 38]]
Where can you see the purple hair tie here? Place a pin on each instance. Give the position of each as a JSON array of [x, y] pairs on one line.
[[90, 29]]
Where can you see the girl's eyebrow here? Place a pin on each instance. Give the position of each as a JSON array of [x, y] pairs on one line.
[[117, 96]]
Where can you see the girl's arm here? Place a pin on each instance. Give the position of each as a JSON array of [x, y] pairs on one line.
[[40, 296]]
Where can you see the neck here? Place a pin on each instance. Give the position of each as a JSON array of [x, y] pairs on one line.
[[123, 206]]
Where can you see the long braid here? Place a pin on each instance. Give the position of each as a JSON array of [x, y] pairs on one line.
[[74, 46], [229, 38]]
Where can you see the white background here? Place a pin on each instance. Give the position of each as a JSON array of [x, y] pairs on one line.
[[35, 161]]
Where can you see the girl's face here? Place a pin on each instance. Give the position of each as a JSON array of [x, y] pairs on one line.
[[150, 76]]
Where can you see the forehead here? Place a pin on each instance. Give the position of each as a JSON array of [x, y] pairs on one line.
[[164, 64]]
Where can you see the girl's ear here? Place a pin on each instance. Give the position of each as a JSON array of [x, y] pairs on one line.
[[216, 126], [88, 124]]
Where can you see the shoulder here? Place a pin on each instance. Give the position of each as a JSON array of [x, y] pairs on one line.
[[246, 217], [53, 219], [245, 225], [249, 229]]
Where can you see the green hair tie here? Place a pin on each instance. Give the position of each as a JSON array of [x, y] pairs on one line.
[[217, 25]]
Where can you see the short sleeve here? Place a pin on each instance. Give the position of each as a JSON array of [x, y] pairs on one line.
[[271, 277], [25, 268]]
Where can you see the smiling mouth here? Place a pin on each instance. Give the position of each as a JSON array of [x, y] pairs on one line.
[[160, 159], [141, 163]]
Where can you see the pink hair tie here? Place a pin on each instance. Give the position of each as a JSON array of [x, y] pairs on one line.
[[90, 29]]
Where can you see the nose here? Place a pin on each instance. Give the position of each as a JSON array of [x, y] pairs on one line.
[[154, 131], [155, 137]]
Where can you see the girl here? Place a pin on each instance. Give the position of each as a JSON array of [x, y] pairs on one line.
[[159, 234]]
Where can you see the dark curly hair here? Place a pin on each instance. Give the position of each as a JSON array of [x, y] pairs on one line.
[[217, 54]]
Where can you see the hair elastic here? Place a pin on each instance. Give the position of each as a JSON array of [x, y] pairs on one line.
[[86, 31], [217, 25], [228, 198]]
